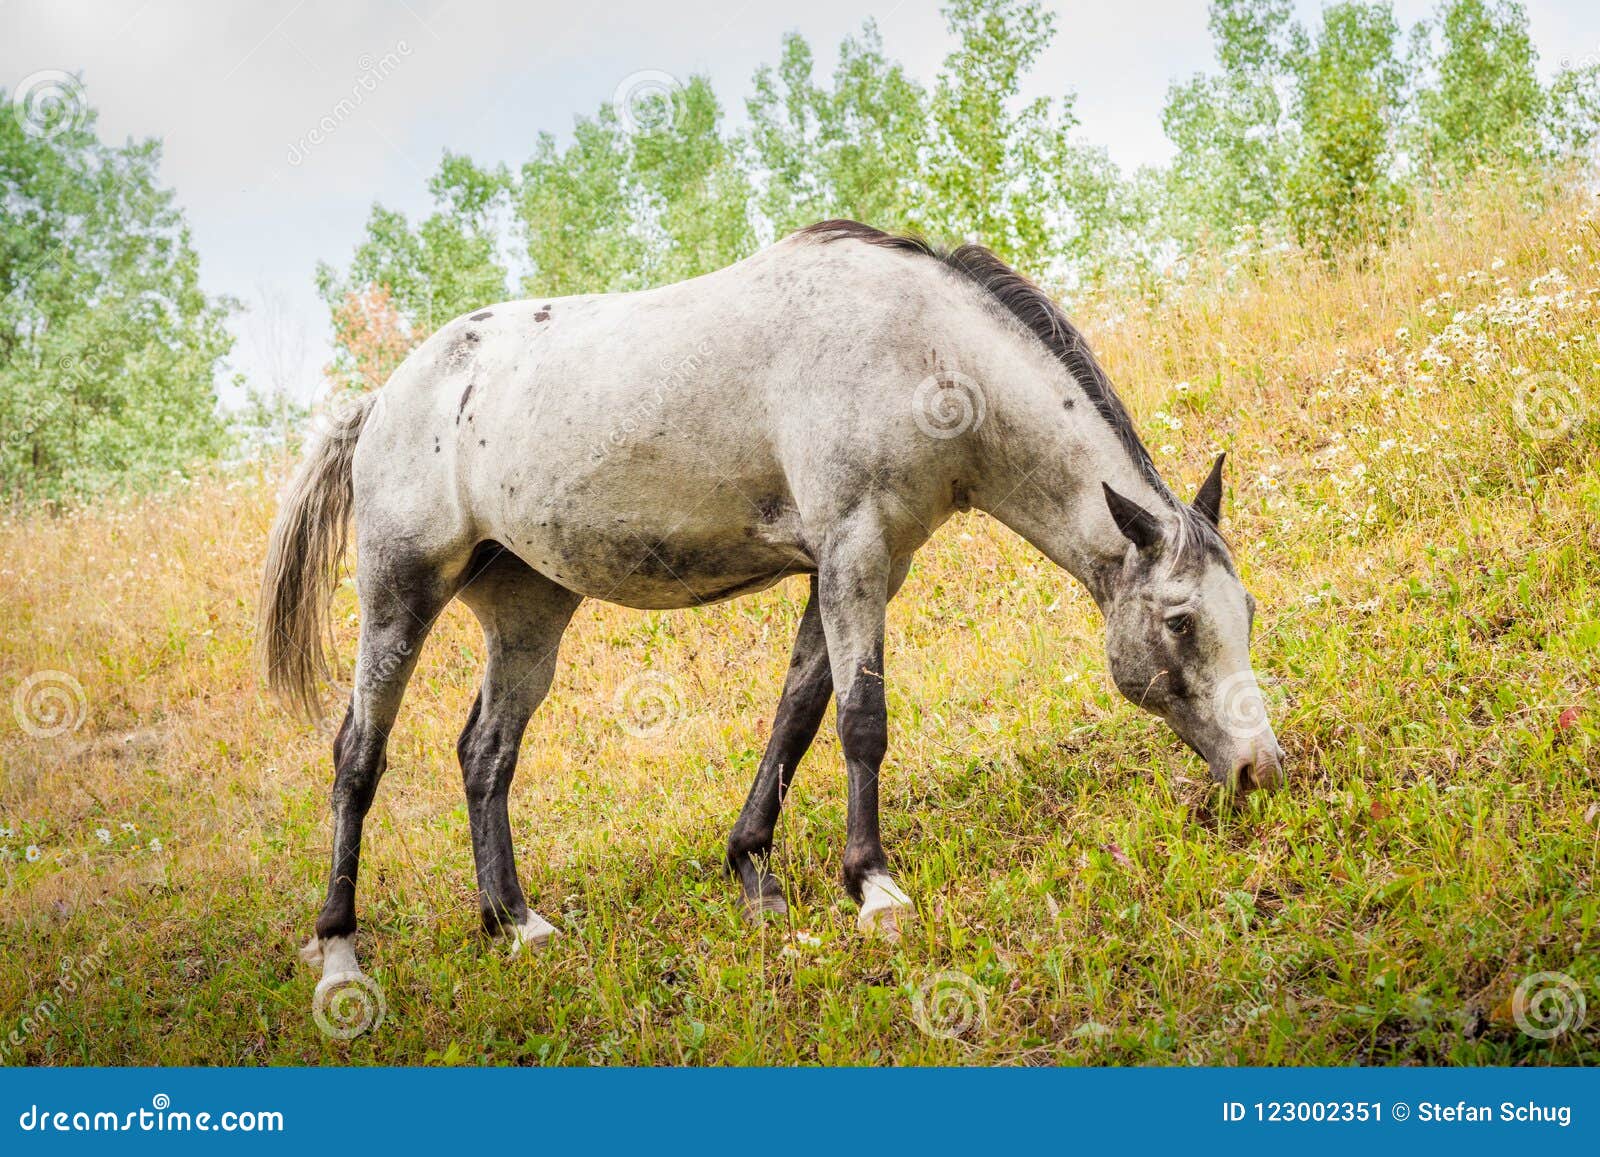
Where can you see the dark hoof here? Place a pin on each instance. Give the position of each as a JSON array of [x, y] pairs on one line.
[[758, 908]]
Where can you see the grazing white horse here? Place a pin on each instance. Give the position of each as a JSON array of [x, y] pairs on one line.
[[820, 408]]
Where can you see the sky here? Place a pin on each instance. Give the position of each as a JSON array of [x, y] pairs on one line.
[[237, 91]]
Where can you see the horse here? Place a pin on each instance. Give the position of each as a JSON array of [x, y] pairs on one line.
[[817, 409]]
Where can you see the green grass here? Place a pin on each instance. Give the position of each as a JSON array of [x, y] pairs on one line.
[[1427, 619]]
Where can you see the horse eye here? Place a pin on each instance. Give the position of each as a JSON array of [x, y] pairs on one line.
[[1180, 624]]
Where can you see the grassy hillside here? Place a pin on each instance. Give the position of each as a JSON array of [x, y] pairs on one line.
[[1415, 501]]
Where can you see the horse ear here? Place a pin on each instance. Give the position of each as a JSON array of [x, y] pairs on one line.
[[1140, 527], [1209, 500]]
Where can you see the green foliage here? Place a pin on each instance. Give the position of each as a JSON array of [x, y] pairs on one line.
[[1486, 101], [994, 171], [1347, 95], [631, 204], [853, 150], [1230, 130], [575, 212], [1317, 135], [694, 193], [444, 266], [1572, 113], [108, 345]]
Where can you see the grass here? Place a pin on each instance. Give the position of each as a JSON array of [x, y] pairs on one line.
[[1429, 577]]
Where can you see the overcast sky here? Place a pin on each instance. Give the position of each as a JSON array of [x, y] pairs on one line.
[[235, 89]]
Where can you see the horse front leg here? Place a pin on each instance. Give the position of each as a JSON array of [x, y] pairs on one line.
[[856, 576]]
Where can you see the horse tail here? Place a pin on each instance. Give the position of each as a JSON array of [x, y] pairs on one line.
[[308, 541]]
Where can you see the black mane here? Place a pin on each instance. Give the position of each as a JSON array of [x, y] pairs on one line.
[[1031, 306]]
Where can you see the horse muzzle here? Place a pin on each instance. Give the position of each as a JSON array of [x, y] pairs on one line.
[[1260, 767]]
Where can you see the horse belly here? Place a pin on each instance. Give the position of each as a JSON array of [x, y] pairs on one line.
[[714, 548]]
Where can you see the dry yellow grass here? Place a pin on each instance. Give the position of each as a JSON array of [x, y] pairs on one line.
[[1428, 577]]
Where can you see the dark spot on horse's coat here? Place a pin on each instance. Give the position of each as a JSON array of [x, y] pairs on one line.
[[436, 443], [542, 315], [1068, 403], [466, 394], [482, 442], [484, 316]]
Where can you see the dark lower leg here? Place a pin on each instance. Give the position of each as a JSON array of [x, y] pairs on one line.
[[523, 615], [488, 751], [864, 734], [806, 690], [398, 606], [359, 762]]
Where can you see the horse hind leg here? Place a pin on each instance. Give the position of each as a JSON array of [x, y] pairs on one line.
[[523, 615], [806, 691], [399, 603]]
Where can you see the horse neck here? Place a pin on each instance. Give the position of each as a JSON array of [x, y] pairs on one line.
[[1042, 467]]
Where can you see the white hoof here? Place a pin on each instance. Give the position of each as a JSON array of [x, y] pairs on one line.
[[883, 907], [337, 955], [533, 933], [311, 952]]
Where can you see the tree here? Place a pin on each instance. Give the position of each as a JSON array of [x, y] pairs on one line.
[[1347, 95], [108, 345], [446, 266], [1486, 102], [1572, 112], [854, 150], [695, 197], [993, 172], [575, 214], [1232, 133]]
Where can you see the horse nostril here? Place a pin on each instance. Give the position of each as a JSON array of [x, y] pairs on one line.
[[1257, 774], [1268, 775]]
